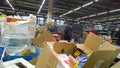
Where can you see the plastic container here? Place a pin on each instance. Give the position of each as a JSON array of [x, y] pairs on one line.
[[28, 58]]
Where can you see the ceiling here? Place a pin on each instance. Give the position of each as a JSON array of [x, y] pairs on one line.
[[24, 7]]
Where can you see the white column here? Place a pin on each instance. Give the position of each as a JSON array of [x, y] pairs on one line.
[[50, 11]]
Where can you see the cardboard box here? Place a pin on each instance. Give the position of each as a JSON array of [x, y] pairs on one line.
[[91, 43], [44, 37], [49, 56], [109, 46]]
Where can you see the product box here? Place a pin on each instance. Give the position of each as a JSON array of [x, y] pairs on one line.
[[17, 63], [91, 43], [49, 57], [46, 36]]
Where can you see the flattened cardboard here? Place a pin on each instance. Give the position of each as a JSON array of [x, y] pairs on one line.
[[44, 37], [109, 46], [91, 43], [98, 58], [112, 58], [117, 65]]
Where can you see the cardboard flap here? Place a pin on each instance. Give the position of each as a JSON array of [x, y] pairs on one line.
[[98, 59], [33, 61], [93, 41], [44, 37], [43, 28], [117, 65], [85, 49], [107, 46], [47, 58], [68, 47]]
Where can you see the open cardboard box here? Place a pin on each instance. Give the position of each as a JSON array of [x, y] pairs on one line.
[[49, 56], [91, 43], [46, 36]]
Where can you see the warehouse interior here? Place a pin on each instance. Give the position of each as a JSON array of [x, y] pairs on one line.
[[59, 33]]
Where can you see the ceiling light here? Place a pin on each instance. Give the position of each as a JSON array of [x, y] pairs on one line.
[[96, 0], [77, 8], [60, 15], [70, 12], [2, 10], [79, 18], [114, 10], [80, 7], [41, 6], [112, 18], [84, 17], [10, 11], [92, 15], [10, 4], [87, 4], [102, 13]]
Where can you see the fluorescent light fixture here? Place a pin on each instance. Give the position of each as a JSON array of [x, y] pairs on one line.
[[84, 17], [10, 11], [96, 0], [77, 8], [2, 10], [66, 13], [112, 18], [10, 4], [70, 12], [79, 18], [102, 13], [114, 10], [41, 6], [92, 15], [60, 15], [87, 4]]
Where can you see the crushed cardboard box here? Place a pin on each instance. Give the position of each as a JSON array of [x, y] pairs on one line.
[[99, 58], [44, 37], [91, 43]]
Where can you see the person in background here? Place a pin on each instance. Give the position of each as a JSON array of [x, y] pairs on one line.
[[53, 28], [94, 31], [68, 32]]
